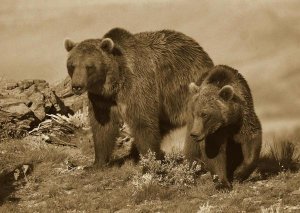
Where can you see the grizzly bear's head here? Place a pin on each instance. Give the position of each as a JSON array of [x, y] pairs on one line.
[[92, 66], [211, 108]]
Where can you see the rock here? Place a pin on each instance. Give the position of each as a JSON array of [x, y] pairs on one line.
[[63, 89], [64, 93], [38, 105], [25, 103], [31, 90], [75, 102], [16, 122], [124, 211], [25, 84], [7, 101], [39, 81], [40, 84], [17, 108], [296, 192], [10, 86]]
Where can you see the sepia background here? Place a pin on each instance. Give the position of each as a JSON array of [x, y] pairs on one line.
[[46, 154], [259, 38]]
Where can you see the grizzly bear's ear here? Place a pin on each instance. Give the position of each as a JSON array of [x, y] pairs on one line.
[[69, 44], [193, 88], [107, 45], [226, 92]]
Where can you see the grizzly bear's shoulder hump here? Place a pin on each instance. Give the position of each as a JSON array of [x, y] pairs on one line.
[[118, 34]]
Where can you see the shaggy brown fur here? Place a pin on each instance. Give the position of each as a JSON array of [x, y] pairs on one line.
[[223, 129], [141, 79]]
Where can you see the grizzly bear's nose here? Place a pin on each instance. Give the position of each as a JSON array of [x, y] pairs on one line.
[[77, 89]]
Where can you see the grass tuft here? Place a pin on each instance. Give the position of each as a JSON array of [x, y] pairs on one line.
[[279, 156], [206, 208], [275, 208]]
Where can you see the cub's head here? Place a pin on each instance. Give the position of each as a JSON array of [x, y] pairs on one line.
[[92, 66], [209, 109]]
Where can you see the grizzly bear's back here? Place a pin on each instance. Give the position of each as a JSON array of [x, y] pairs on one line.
[[179, 60], [169, 60]]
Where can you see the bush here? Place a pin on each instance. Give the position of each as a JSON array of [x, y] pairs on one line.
[[173, 170], [157, 179]]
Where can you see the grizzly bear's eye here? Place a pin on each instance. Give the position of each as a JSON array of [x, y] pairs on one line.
[[90, 68]]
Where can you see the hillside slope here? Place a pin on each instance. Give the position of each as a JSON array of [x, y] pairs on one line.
[[261, 39]]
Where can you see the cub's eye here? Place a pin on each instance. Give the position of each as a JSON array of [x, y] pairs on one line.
[[70, 68], [204, 115]]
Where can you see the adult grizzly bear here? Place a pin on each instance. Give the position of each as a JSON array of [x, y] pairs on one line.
[[223, 129], [141, 79]]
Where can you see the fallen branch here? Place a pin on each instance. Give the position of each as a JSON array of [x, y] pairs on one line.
[[55, 140]]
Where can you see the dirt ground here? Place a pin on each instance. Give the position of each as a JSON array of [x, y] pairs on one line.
[[40, 177]]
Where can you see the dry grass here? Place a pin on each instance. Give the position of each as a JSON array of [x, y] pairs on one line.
[[58, 182]]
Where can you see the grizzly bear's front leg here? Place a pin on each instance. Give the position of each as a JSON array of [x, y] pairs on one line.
[[105, 123], [251, 147]]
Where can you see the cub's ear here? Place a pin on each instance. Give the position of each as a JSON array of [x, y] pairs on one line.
[[107, 45], [69, 44], [193, 88], [226, 93]]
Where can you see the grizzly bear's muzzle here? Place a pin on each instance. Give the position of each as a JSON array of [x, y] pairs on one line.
[[78, 90], [79, 78]]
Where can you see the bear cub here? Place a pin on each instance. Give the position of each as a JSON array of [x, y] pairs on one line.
[[223, 130]]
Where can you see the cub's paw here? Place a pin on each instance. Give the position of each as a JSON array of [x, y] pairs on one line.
[[239, 176], [222, 185]]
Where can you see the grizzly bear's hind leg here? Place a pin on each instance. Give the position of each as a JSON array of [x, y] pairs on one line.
[[147, 138]]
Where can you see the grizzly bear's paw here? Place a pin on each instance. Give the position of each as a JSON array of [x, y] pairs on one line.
[[223, 186], [91, 168], [96, 166]]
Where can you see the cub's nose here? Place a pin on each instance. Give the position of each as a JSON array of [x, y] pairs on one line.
[[197, 137], [77, 89], [193, 135]]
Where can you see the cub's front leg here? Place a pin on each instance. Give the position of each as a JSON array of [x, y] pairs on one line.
[[251, 147], [214, 156]]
